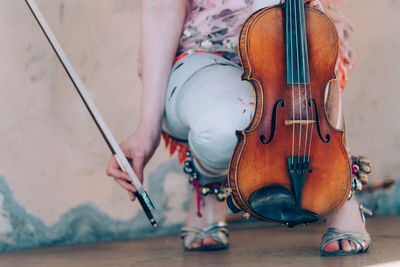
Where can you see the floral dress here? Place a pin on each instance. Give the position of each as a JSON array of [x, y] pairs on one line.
[[214, 26]]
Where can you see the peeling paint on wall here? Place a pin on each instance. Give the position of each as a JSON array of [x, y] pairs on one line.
[[86, 223], [383, 202]]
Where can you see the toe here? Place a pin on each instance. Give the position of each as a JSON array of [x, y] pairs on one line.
[[209, 241], [331, 246], [366, 244], [346, 246], [195, 244]]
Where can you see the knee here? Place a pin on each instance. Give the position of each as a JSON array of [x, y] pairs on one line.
[[212, 144]]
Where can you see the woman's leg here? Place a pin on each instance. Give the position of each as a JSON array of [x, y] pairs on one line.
[[348, 218], [206, 103]]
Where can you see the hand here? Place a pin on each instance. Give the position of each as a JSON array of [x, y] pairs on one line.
[[139, 147]]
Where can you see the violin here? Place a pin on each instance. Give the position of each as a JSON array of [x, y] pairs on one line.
[[290, 165]]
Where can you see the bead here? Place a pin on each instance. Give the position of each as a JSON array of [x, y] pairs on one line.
[[190, 179], [363, 177], [228, 190], [364, 160], [188, 163], [188, 170], [204, 191], [220, 197], [365, 210], [357, 185], [365, 168], [355, 168], [195, 175], [350, 194]]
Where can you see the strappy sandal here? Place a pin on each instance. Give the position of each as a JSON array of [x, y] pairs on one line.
[[189, 236], [359, 239], [360, 168], [218, 231]]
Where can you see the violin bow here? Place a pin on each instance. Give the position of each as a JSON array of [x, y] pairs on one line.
[[123, 163]]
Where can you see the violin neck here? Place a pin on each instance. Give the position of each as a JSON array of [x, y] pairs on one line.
[[297, 70]]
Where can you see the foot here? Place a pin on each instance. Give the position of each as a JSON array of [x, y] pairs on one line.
[[347, 219], [212, 211]]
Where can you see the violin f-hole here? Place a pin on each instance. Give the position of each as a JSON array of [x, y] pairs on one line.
[[273, 122], [328, 137]]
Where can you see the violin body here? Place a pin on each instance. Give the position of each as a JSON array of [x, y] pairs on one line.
[[290, 165]]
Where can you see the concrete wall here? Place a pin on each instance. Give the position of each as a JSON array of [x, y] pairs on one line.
[[53, 189], [371, 97]]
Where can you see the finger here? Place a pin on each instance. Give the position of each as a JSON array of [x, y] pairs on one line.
[[132, 196], [129, 187], [120, 175], [346, 245], [113, 170], [137, 166]]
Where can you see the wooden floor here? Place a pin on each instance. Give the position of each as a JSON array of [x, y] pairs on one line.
[[256, 246]]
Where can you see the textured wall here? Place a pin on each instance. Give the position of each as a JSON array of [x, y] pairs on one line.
[[53, 189], [371, 97], [52, 156]]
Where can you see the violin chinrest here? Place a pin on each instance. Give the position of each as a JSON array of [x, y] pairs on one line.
[[277, 203]]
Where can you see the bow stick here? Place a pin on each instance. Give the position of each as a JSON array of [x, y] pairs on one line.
[[123, 163]]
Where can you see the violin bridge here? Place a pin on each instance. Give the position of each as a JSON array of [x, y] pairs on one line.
[[291, 122]]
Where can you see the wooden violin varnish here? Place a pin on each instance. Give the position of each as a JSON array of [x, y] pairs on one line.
[[290, 165]]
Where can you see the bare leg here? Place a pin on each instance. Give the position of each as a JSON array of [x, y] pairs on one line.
[[348, 218], [212, 211], [206, 102]]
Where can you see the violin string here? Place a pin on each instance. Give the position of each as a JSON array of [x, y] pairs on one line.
[[304, 58], [298, 79], [312, 125], [291, 65]]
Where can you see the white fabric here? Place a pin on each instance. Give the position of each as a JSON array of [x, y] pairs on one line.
[[206, 103]]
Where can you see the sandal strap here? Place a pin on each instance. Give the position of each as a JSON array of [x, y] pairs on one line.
[[219, 232], [190, 235], [216, 225], [332, 234]]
